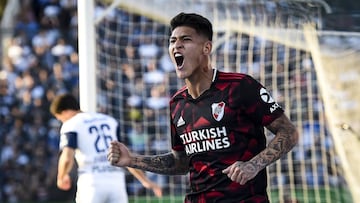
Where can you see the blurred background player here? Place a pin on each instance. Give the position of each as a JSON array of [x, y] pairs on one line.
[[85, 137]]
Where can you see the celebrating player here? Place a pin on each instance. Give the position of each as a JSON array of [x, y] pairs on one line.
[[217, 124], [87, 136]]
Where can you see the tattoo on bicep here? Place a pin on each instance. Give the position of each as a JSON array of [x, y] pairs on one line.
[[282, 143], [284, 131]]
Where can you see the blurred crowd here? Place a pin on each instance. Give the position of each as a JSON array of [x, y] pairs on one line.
[[40, 60]]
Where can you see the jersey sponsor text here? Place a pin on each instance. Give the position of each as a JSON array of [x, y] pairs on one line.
[[203, 140]]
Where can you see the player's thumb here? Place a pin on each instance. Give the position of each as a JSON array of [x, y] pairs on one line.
[[226, 170]]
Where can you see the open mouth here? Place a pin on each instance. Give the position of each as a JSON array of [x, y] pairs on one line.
[[179, 58]]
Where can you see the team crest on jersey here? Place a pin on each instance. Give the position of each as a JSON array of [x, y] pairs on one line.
[[218, 110]]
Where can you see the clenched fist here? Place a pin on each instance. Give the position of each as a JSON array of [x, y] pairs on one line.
[[118, 154]]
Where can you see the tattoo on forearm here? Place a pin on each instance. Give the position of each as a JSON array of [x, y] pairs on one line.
[[163, 164]]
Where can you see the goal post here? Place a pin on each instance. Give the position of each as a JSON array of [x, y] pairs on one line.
[[266, 39], [87, 56], [338, 79]]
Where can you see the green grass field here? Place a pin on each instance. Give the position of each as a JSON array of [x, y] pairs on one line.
[[337, 195], [165, 199]]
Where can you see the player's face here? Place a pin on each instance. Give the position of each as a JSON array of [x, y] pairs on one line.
[[188, 51]]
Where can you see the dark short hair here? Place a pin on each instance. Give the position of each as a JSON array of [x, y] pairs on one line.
[[201, 24], [64, 102]]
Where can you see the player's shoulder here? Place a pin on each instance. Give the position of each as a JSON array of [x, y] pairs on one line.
[[102, 115], [75, 120], [105, 117], [180, 93], [239, 81], [90, 117], [232, 76]]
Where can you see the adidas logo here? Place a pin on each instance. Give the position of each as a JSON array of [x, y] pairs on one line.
[[180, 122]]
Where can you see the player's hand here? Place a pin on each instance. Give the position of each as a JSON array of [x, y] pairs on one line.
[[118, 154], [156, 189], [241, 172], [64, 183]]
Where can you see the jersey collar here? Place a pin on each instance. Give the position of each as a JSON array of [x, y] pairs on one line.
[[214, 74]]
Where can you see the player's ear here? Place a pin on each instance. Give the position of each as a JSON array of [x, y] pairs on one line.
[[207, 47]]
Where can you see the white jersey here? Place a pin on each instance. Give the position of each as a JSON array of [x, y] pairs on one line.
[[90, 134]]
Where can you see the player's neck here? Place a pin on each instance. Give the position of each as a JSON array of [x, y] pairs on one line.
[[68, 114], [198, 85]]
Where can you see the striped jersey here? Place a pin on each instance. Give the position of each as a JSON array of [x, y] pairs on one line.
[[223, 125]]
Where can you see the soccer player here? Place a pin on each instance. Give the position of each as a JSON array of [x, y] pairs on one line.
[[217, 125], [85, 138]]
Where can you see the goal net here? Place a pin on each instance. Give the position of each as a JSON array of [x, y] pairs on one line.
[[313, 74]]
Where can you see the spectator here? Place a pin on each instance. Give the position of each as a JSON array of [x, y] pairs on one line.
[[62, 48]]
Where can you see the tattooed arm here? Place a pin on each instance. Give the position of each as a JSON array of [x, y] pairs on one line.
[[286, 137], [174, 163]]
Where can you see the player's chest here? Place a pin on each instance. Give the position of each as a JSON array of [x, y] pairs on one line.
[[215, 110]]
